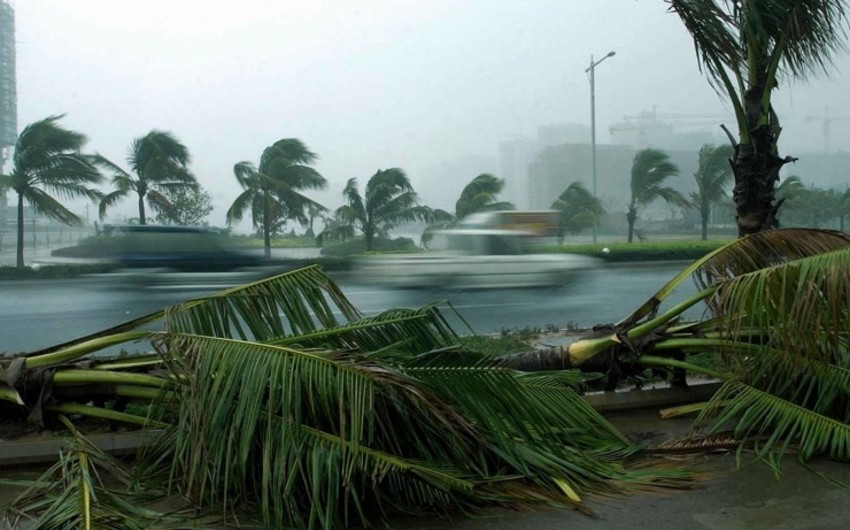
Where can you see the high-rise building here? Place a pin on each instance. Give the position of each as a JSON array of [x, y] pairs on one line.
[[8, 92]]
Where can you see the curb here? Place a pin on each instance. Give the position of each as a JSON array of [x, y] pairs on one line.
[[25, 452]]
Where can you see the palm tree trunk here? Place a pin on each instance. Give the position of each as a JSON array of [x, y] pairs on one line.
[[267, 240], [756, 166], [631, 217], [19, 262], [141, 209], [704, 219], [369, 235]]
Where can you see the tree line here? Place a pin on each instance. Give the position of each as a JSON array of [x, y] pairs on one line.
[[49, 165]]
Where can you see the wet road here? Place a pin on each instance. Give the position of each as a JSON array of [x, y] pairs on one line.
[[35, 315]]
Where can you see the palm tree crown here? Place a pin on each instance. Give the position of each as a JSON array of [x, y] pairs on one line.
[[747, 48], [389, 201], [160, 162], [479, 195], [713, 175], [579, 209], [650, 168], [272, 190], [48, 163]]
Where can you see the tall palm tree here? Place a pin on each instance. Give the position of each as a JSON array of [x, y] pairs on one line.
[[748, 48], [388, 201], [272, 190], [160, 162], [650, 168], [713, 175], [479, 195], [579, 209], [48, 163]]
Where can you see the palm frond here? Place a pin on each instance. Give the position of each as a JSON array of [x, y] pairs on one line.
[[774, 425], [292, 303]]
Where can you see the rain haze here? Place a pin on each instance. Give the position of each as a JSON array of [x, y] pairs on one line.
[[372, 84]]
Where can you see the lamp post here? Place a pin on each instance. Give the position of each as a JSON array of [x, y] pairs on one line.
[[592, 69]]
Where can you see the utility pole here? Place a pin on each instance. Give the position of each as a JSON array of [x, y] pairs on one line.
[[592, 70]]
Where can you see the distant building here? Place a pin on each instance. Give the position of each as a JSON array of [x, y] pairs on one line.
[[8, 93], [442, 184], [515, 156], [557, 167]]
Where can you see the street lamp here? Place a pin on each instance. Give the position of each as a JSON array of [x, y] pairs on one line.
[[592, 69]]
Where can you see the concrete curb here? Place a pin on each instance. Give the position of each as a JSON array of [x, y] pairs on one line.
[[26, 452]]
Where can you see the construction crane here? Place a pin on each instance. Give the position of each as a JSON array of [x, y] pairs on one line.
[[646, 122], [827, 120]]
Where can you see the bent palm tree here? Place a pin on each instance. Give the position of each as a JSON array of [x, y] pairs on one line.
[[272, 190], [48, 162], [479, 195], [579, 210], [160, 162], [650, 169], [388, 201], [748, 48], [712, 176]]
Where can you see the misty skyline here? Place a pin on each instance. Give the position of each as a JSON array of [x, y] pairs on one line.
[[372, 84]]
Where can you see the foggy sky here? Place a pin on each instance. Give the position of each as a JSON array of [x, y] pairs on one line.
[[368, 84]]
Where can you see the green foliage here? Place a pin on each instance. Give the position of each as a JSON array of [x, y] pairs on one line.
[[273, 190], [387, 202], [47, 164], [398, 245], [160, 163], [579, 210], [188, 207]]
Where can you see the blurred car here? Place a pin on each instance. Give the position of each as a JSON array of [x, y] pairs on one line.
[[188, 256], [487, 250]]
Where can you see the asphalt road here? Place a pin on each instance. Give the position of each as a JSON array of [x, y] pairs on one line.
[[36, 315]]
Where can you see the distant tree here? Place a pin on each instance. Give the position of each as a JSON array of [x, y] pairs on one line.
[[579, 210], [313, 212], [186, 207], [713, 176], [160, 163], [272, 190], [650, 168], [844, 208], [389, 201], [479, 195], [48, 163], [748, 49]]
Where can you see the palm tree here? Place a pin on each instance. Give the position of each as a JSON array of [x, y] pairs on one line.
[[712, 176], [650, 169], [579, 209], [479, 195], [748, 48], [160, 162], [48, 163], [389, 201], [272, 190]]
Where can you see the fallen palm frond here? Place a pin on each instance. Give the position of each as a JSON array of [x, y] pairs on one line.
[[87, 489], [777, 305], [329, 438]]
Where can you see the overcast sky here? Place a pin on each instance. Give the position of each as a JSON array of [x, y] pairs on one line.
[[368, 84]]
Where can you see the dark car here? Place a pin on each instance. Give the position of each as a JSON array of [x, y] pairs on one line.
[[177, 248]]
